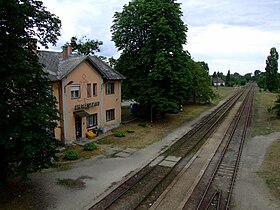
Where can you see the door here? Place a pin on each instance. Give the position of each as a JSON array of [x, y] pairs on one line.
[[78, 127]]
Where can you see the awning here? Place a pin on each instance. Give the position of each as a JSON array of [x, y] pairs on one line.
[[81, 113]]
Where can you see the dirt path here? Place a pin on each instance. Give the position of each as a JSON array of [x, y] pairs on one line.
[[250, 191]]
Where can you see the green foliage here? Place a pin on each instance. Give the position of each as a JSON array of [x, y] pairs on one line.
[[276, 107], [119, 133], [271, 69], [228, 82], [90, 146], [151, 36], [199, 89], [130, 130], [28, 112], [71, 155], [85, 46]]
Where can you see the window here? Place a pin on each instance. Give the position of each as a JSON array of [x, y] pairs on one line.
[[88, 90], [75, 91], [110, 88], [94, 90], [110, 115], [92, 120]]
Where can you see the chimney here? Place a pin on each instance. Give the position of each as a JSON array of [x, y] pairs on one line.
[[67, 50]]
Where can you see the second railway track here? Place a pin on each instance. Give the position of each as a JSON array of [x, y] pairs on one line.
[[142, 189]]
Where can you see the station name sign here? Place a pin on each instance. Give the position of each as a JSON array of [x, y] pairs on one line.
[[87, 105]]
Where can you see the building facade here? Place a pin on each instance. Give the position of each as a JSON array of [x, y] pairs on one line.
[[88, 93]]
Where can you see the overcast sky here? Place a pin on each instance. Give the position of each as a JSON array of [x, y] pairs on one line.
[[234, 35]]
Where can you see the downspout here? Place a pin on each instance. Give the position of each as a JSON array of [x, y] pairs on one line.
[[60, 103]]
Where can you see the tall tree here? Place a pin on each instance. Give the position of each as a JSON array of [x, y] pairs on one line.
[[27, 109], [151, 36], [271, 69], [228, 83], [85, 46], [214, 75]]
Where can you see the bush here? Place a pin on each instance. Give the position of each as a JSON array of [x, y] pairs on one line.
[[130, 130], [71, 155], [90, 146], [119, 133]]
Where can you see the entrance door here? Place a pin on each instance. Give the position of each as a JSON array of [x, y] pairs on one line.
[[78, 126]]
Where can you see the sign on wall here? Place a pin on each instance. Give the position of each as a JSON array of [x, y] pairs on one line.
[[87, 105]]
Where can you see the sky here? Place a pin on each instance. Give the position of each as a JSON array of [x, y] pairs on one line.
[[234, 35]]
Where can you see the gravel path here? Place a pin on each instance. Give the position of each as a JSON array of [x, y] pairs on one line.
[[250, 191]]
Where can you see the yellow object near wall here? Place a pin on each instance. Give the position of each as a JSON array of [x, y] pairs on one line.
[[90, 135]]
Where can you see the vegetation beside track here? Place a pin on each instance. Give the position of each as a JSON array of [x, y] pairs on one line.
[[18, 197], [153, 132], [265, 123]]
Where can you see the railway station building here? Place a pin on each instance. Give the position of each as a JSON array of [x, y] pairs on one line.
[[88, 93]]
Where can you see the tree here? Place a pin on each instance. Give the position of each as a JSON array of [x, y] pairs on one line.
[[257, 73], [85, 46], [214, 75], [228, 83], [151, 36], [248, 77], [27, 109], [199, 88], [272, 79]]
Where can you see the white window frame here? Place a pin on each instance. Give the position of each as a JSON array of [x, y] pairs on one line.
[[110, 115], [75, 91], [91, 120], [110, 88]]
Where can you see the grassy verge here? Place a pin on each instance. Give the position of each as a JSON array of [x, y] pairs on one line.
[[265, 123], [153, 132], [270, 170]]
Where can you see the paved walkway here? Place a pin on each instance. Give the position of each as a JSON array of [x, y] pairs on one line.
[[97, 175]]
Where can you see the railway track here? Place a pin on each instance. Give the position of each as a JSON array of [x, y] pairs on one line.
[[144, 187], [217, 184]]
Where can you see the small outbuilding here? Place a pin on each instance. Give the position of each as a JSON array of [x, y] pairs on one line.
[[218, 82]]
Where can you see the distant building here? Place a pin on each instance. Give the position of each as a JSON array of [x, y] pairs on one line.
[[218, 81], [88, 92]]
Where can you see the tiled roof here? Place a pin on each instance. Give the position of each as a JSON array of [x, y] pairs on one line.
[[58, 68], [218, 80]]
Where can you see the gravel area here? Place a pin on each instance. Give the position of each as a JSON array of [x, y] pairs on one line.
[[97, 175], [250, 191]]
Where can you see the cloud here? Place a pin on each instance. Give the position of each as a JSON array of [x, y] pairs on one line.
[[226, 34], [224, 47]]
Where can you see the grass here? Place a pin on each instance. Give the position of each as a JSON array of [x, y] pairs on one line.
[[83, 154], [270, 170], [265, 123], [22, 196], [153, 132]]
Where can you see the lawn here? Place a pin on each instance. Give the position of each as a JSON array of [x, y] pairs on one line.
[[153, 132], [265, 123]]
